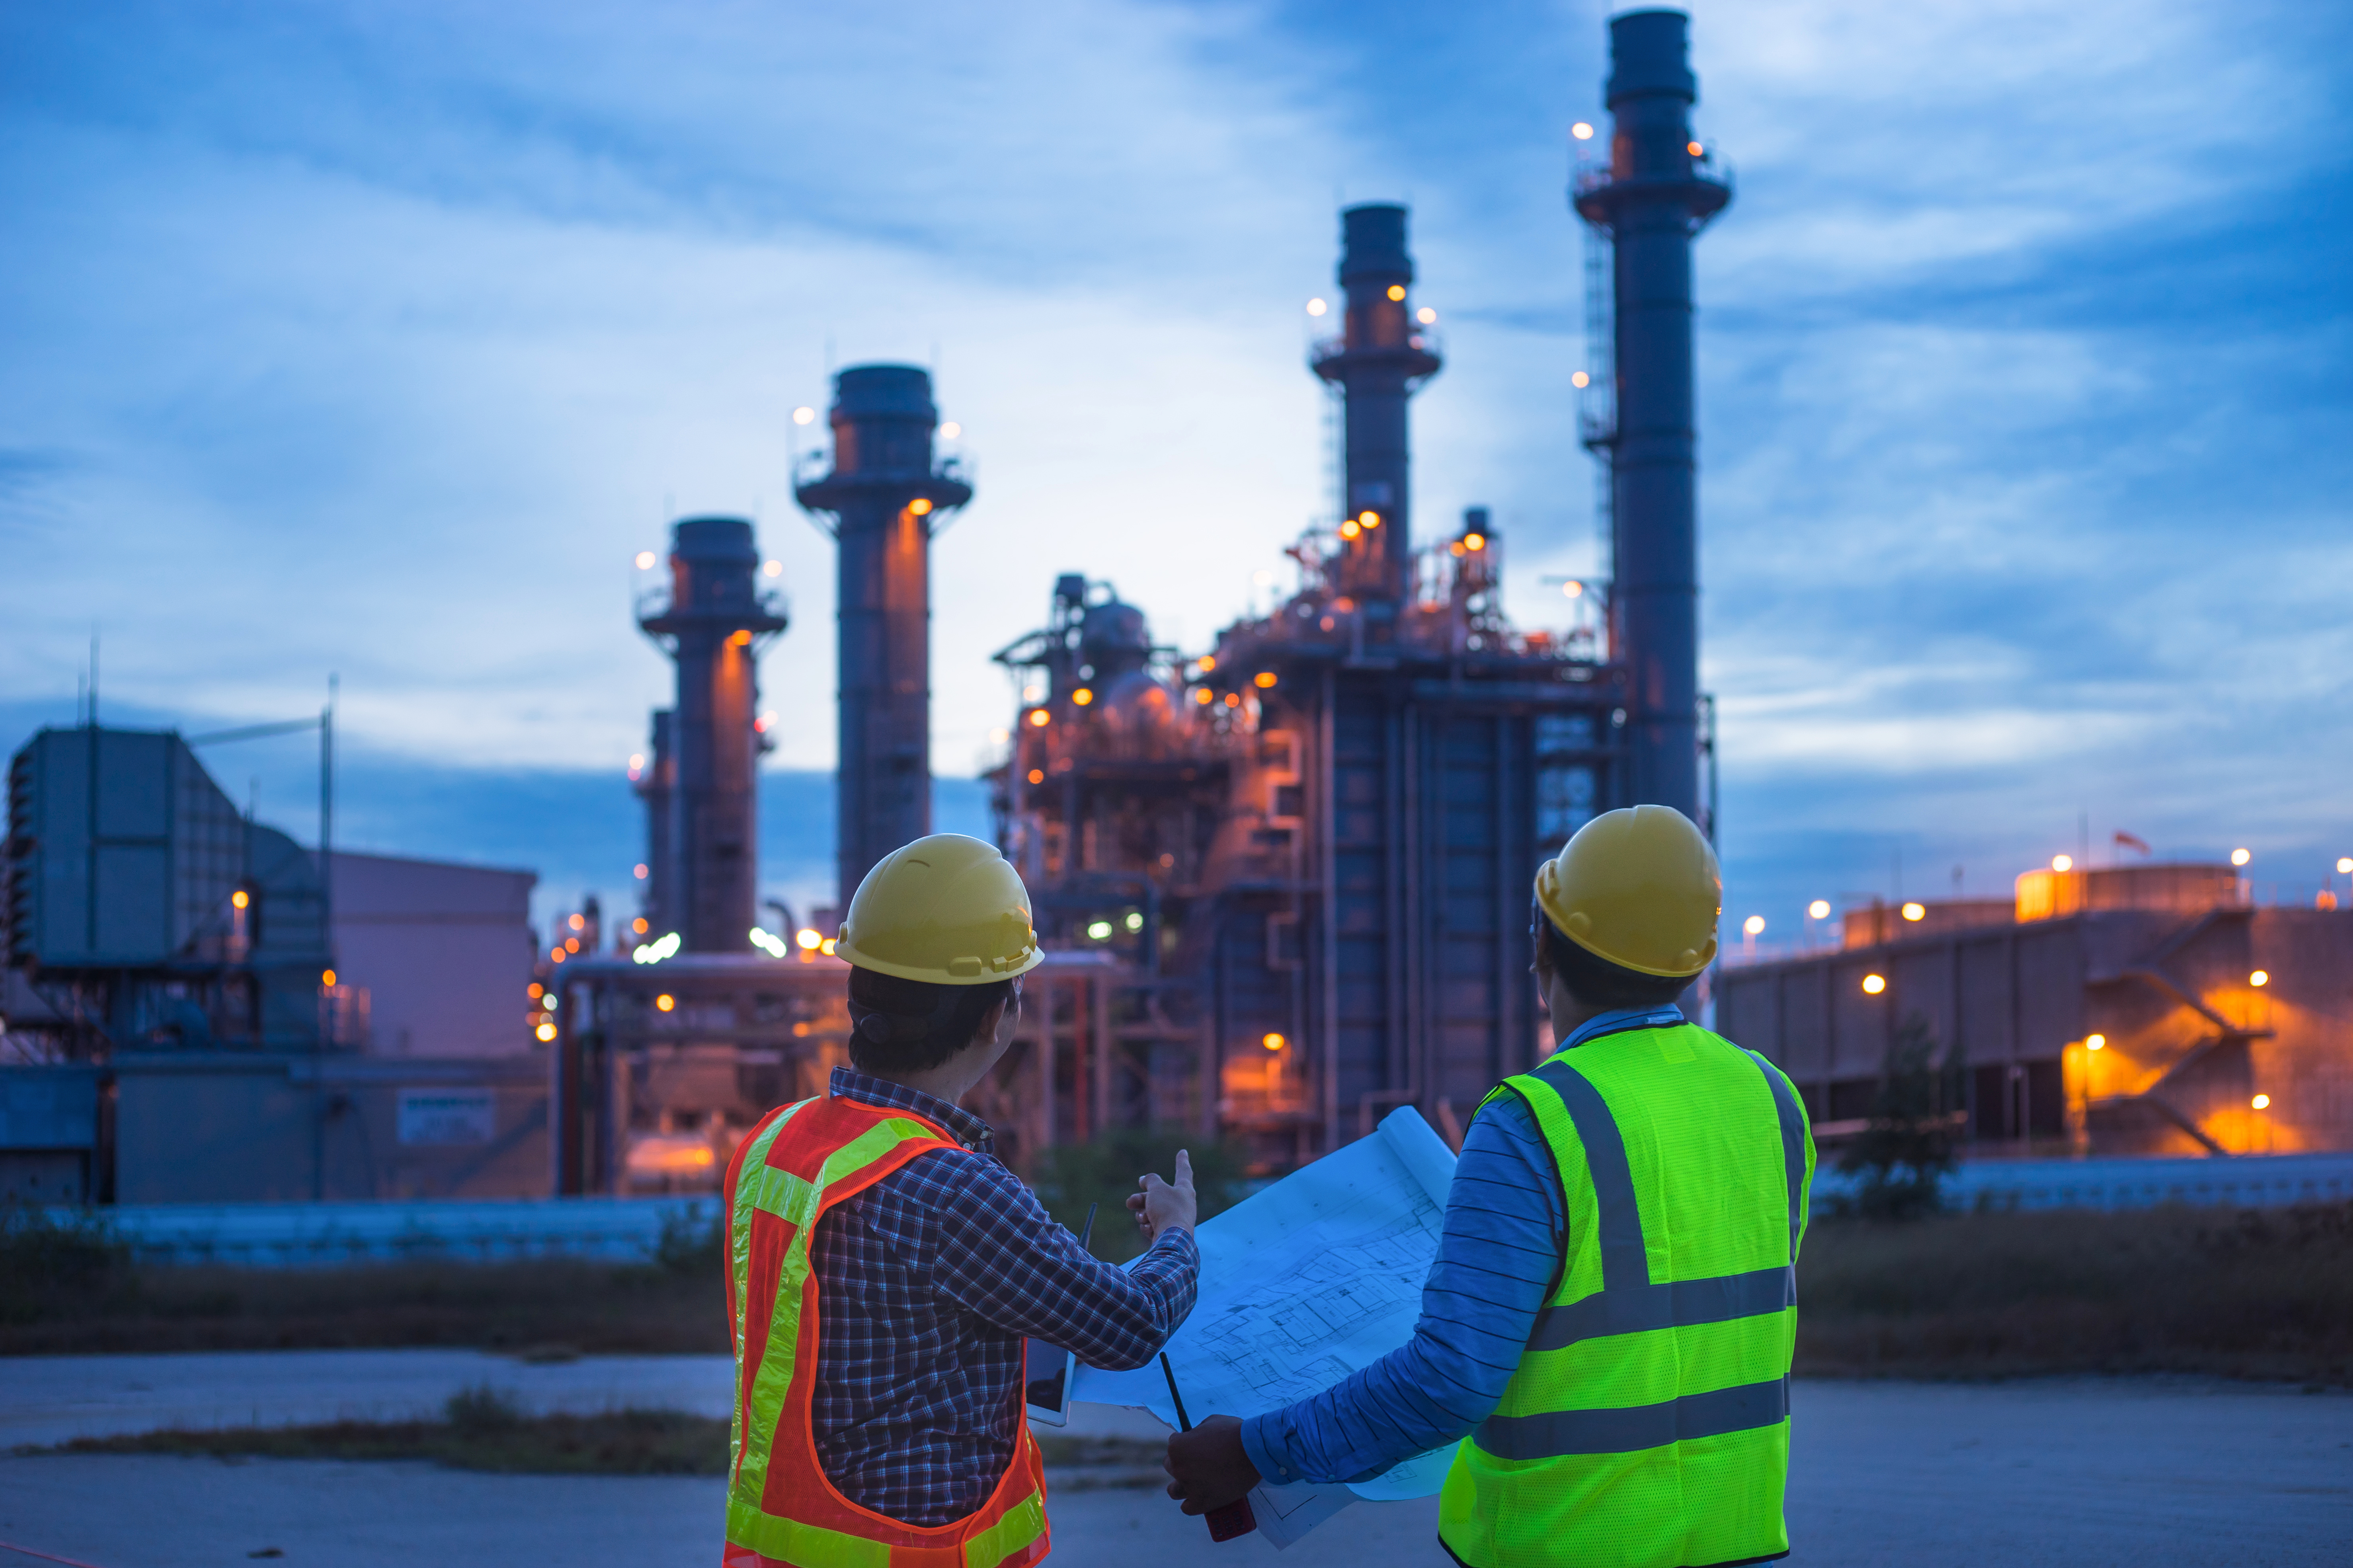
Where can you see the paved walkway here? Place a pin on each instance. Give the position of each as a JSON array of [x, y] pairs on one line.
[[2146, 1472]]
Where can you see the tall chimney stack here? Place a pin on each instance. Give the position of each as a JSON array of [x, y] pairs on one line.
[[1660, 189], [887, 496]]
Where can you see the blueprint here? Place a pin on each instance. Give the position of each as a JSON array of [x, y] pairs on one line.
[[1302, 1284]]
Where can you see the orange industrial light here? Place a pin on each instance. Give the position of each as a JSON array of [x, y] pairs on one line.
[[806, 939], [1233, 699], [2259, 977], [578, 922], [1040, 717], [1083, 695], [239, 899], [1873, 984], [2261, 1102], [1916, 911], [1209, 661], [639, 926], [665, 1002], [1036, 775], [2241, 857], [742, 638], [1203, 695], [327, 977], [1753, 926], [1819, 909], [1455, 548], [827, 946], [1426, 316], [1264, 679], [920, 507], [1397, 290], [1694, 148], [1272, 1042], [558, 954], [1475, 541], [534, 990], [2096, 1042], [1368, 520], [2062, 862], [1349, 530], [572, 944]]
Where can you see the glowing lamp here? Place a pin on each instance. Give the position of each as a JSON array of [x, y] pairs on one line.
[[1264, 679], [1581, 131], [1201, 694], [1040, 717], [1316, 306], [1426, 316], [1475, 541], [645, 560], [2062, 862], [1368, 520], [827, 946], [2261, 1102], [1397, 290], [742, 638], [1233, 699], [1753, 926], [577, 923], [1580, 380], [1100, 931], [240, 899], [1916, 911], [327, 977], [2344, 865], [950, 430], [2261, 977], [1036, 775], [639, 926], [774, 568], [803, 415], [1694, 148], [2096, 1042], [2240, 856], [1349, 530], [1873, 984], [1083, 695], [920, 507], [1819, 909], [1272, 1042], [665, 1002]]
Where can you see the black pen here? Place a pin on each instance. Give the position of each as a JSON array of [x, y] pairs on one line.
[[1233, 1519]]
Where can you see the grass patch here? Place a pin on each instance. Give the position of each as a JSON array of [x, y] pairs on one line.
[[73, 1287], [2263, 1294], [481, 1429]]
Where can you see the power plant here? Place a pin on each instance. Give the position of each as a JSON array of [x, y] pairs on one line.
[[1282, 880]]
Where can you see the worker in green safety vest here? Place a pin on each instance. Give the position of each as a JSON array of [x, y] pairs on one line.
[[1605, 1340]]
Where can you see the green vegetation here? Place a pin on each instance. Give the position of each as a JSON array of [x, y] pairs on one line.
[[1104, 1172], [73, 1287], [483, 1430], [2263, 1294], [1911, 1144]]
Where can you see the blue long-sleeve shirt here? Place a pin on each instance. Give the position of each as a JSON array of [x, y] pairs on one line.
[[1506, 1233]]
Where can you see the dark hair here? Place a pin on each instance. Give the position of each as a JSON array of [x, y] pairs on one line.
[[912, 1025], [1593, 979]]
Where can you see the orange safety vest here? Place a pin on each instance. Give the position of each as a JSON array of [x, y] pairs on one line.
[[781, 1511]]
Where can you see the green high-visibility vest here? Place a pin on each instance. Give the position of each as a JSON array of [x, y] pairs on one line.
[[1648, 1425]]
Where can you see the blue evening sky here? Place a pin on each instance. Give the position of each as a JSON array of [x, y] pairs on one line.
[[376, 338]]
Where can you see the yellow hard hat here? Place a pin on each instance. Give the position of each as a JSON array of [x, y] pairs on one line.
[[947, 908], [1640, 887]]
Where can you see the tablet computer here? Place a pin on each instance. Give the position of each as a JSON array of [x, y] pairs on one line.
[[1046, 1369]]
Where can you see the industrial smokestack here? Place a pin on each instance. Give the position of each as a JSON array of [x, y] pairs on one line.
[[1658, 192], [1381, 358], [713, 621], [887, 496]]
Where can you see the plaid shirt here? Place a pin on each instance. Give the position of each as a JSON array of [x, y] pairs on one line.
[[928, 1282]]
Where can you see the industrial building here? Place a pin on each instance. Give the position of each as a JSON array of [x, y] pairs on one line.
[[2127, 1010], [198, 1008]]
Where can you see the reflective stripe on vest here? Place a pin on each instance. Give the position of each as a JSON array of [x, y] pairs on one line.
[[781, 1508], [1668, 1445]]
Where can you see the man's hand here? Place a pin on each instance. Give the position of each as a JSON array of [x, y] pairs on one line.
[[1162, 1205], [1208, 1466]]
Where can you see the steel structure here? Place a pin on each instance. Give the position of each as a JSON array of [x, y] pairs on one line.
[[1310, 846], [712, 618], [887, 496], [1659, 188]]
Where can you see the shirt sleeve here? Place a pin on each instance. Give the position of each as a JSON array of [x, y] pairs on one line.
[[1504, 1241], [1005, 1259]]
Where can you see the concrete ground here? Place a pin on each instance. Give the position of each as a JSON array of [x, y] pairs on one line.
[[2146, 1472]]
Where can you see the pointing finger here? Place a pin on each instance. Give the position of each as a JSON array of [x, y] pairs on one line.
[[1184, 1169]]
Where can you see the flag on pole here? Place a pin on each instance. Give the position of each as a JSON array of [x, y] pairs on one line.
[[2132, 841]]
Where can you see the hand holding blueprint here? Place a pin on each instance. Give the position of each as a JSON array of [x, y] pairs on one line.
[[1300, 1284]]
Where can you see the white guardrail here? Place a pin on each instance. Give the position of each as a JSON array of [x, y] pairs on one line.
[[300, 1235], [312, 1235], [2246, 1181]]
